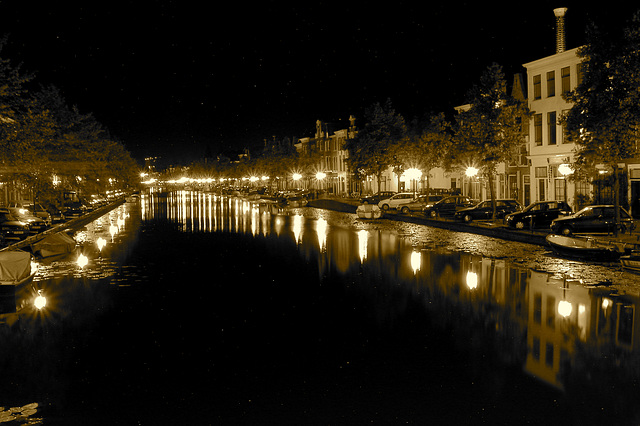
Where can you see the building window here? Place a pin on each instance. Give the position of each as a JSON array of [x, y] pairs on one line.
[[559, 188], [563, 136], [551, 123], [551, 84], [579, 73], [537, 89], [566, 79], [537, 125]]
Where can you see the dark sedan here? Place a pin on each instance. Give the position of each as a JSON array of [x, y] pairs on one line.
[[538, 215], [592, 219], [447, 206], [484, 210], [12, 228]]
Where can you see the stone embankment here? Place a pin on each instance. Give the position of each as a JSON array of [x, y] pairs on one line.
[[71, 225], [496, 230]]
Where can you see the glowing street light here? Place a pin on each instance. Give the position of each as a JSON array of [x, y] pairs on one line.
[[565, 170], [82, 261], [40, 301]]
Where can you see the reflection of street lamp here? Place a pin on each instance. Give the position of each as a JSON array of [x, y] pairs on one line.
[[565, 170]]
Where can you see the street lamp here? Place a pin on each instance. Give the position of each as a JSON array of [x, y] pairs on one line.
[[565, 170], [319, 177], [296, 177], [413, 174], [471, 172]]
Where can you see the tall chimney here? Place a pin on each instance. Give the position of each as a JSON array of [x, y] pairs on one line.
[[560, 42]]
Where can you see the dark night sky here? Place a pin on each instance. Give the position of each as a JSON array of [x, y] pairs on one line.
[[178, 76]]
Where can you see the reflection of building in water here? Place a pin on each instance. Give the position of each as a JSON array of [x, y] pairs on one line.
[[556, 309]]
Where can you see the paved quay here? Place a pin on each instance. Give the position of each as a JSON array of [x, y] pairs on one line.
[[71, 225], [496, 230]]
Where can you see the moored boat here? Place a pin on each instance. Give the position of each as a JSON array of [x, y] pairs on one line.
[[15, 268], [53, 245], [582, 247], [631, 261], [368, 211]]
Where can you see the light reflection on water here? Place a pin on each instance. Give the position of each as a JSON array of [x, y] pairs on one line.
[[551, 324], [569, 336]]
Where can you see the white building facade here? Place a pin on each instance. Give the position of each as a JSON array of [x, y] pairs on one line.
[[550, 154]]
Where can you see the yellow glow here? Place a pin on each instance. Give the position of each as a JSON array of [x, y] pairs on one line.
[[363, 237], [472, 280], [296, 176], [416, 261], [82, 261], [606, 303], [113, 230], [101, 243], [297, 227], [565, 169], [413, 173], [564, 308], [471, 171], [40, 301], [321, 175], [321, 230]]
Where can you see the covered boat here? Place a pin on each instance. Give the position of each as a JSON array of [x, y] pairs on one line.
[[369, 211], [631, 261], [15, 267], [582, 247], [53, 245]]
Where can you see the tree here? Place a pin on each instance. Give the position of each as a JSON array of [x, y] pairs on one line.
[[604, 120], [492, 130], [369, 151], [425, 145]]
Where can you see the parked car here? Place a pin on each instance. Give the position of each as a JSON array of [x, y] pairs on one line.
[[592, 219], [484, 210], [57, 216], [396, 201], [447, 206], [377, 197], [36, 225], [38, 210], [12, 228], [74, 209], [538, 215], [418, 204]]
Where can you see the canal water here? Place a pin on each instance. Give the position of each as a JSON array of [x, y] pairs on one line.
[[202, 309]]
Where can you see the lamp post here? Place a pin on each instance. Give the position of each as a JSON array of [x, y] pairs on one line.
[[319, 177], [413, 174], [471, 172], [565, 170]]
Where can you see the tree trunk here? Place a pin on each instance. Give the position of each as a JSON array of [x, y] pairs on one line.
[[616, 198]]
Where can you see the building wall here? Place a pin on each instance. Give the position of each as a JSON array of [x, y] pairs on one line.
[[547, 79]]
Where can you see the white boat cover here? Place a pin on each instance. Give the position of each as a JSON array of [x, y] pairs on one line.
[[15, 265]]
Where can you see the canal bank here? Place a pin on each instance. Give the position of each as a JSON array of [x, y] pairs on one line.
[[69, 226], [496, 230]]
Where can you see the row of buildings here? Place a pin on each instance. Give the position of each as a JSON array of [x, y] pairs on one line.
[[540, 173]]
